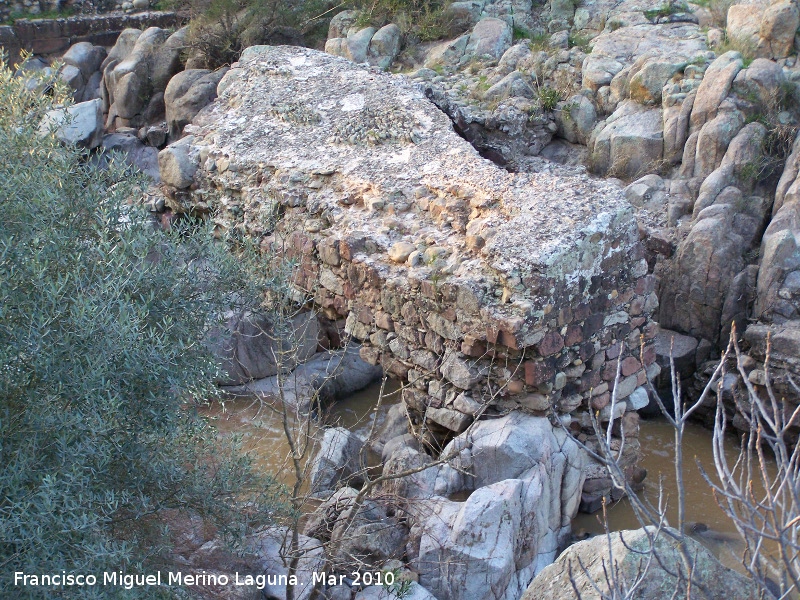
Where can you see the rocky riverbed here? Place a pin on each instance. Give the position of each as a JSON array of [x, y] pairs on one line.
[[519, 224]]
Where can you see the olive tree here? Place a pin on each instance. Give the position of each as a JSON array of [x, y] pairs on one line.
[[103, 358]]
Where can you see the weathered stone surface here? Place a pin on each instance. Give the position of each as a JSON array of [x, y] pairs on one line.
[[778, 287], [186, 94], [353, 47], [778, 28], [384, 46], [646, 84], [612, 51], [459, 372], [623, 556], [491, 37], [268, 548], [79, 125], [73, 77], [178, 163], [372, 538], [714, 88], [341, 23], [528, 478], [134, 152], [451, 419], [630, 144], [761, 80], [138, 69], [675, 347], [326, 376], [576, 118], [86, 57], [713, 140], [447, 53], [513, 84], [705, 265], [767, 28], [475, 549], [400, 251], [249, 348], [338, 459]]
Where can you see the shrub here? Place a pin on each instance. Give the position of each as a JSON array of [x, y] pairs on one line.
[[220, 29], [102, 358], [548, 97], [741, 44], [424, 19]]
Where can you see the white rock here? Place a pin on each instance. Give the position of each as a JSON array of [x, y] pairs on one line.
[[80, 124]]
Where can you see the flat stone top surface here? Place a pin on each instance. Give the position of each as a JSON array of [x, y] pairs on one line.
[[297, 109]]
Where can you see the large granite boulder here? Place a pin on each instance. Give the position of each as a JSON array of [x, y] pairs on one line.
[[630, 143], [136, 73], [251, 348], [778, 288], [186, 94], [134, 152], [584, 569], [527, 478], [338, 459], [613, 51], [78, 125], [767, 28]]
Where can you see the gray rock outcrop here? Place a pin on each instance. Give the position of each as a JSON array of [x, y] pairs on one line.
[[526, 478], [136, 73], [621, 556], [186, 94], [338, 459], [78, 125], [251, 348]]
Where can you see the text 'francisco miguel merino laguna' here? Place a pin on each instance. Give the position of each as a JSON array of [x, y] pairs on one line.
[[131, 580], [178, 578]]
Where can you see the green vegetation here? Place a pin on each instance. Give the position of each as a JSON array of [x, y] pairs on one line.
[[577, 40], [425, 20], [743, 45], [103, 360], [539, 40], [664, 11], [221, 29], [548, 97], [780, 134], [61, 13]]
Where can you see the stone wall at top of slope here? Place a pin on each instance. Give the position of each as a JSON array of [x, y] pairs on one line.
[[471, 283]]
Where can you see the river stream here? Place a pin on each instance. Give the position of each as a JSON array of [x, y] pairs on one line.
[[262, 430]]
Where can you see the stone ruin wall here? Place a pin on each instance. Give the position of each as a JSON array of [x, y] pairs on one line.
[[439, 271], [51, 37], [34, 7]]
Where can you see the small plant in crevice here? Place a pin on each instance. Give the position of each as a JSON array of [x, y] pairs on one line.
[[666, 10], [548, 97], [578, 40], [741, 44], [538, 40]]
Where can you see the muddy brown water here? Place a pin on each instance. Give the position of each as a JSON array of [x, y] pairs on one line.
[[262, 434], [261, 426], [657, 439]]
